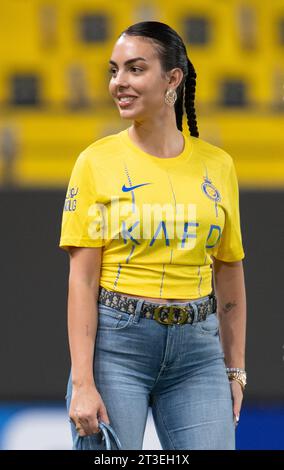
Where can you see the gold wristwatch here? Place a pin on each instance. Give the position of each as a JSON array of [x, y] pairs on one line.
[[237, 374]]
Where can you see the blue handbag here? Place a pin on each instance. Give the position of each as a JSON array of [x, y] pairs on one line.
[[106, 431]]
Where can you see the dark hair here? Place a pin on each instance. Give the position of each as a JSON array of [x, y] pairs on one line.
[[172, 53]]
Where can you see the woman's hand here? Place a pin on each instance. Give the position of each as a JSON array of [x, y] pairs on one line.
[[86, 407], [237, 396]]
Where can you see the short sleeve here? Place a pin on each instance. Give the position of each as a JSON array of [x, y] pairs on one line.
[[82, 219], [230, 247]]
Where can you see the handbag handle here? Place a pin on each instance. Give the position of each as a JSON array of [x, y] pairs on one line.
[[104, 427], [105, 430]]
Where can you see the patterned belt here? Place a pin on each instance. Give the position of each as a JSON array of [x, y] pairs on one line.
[[162, 313]]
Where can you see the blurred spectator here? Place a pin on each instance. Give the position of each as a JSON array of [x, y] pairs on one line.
[[247, 27], [278, 88], [77, 86], [48, 26], [8, 153]]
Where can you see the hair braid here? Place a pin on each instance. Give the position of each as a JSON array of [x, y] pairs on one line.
[[190, 85]]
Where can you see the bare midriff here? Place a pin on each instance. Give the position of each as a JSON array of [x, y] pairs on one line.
[[158, 299]]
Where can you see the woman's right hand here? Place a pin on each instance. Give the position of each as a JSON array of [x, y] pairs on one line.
[[86, 407]]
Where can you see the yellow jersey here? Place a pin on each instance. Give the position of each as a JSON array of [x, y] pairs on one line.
[[158, 220]]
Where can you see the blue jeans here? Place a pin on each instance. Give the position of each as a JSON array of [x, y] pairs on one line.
[[178, 370]]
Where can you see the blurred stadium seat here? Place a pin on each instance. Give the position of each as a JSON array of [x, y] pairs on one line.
[[54, 79]]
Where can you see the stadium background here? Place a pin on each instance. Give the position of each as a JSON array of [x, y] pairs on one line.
[[54, 102]]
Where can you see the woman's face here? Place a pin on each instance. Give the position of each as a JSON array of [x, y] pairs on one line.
[[142, 79]]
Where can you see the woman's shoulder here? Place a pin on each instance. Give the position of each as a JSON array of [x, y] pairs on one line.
[[101, 147], [211, 151]]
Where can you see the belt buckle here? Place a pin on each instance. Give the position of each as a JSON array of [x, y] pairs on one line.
[[168, 319]]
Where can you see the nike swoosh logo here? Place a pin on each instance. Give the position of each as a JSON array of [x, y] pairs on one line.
[[125, 189]]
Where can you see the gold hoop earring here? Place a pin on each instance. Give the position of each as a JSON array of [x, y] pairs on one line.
[[170, 97]]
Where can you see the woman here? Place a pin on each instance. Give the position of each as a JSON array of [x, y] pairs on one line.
[[148, 213]]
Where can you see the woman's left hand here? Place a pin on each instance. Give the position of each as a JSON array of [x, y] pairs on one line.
[[237, 396]]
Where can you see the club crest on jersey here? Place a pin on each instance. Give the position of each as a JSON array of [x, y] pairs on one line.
[[210, 191]]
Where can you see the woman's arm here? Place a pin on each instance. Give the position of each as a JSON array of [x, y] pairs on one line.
[[86, 403], [231, 305], [231, 309], [85, 266]]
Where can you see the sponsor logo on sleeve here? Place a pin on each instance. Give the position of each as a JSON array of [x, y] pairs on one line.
[[71, 200]]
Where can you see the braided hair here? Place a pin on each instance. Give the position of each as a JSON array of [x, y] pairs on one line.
[[190, 85], [172, 53]]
